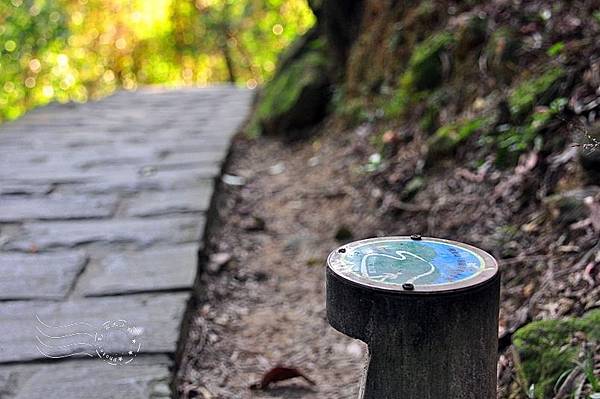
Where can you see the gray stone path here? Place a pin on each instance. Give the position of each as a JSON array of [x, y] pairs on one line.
[[102, 212]]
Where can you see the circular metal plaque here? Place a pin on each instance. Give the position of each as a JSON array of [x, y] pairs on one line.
[[409, 264]]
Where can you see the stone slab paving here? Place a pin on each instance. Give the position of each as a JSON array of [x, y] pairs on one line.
[[39, 276], [142, 232], [147, 377], [21, 208], [24, 337], [24, 188], [160, 202], [166, 268], [149, 180], [102, 212]]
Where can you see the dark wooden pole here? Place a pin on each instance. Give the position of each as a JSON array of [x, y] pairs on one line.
[[428, 311]]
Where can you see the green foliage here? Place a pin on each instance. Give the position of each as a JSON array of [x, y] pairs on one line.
[[529, 92], [511, 141], [588, 367], [282, 94], [423, 73], [411, 188], [353, 110], [425, 10], [546, 349], [425, 66], [436, 101], [30, 65], [399, 103], [556, 49], [285, 89], [75, 50], [445, 140], [428, 122]]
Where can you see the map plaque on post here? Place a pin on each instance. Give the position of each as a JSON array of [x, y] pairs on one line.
[[428, 310]]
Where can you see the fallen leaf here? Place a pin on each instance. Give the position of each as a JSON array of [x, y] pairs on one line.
[[279, 373]]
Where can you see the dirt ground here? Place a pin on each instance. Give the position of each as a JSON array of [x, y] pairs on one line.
[[289, 205], [267, 306]]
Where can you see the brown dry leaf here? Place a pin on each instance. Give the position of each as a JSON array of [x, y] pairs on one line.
[[279, 373], [389, 137], [470, 176]]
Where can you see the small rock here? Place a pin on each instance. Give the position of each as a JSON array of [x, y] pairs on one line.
[[206, 394], [217, 262], [233, 180], [222, 319], [314, 161], [363, 130], [376, 193], [277, 169], [213, 338]]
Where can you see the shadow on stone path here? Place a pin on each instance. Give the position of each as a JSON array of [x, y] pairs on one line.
[[102, 210]]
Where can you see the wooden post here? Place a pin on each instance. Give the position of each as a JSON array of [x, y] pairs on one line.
[[427, 309]]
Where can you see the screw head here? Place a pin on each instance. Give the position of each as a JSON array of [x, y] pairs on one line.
[[408, 286], [342, 250], [415, 237]]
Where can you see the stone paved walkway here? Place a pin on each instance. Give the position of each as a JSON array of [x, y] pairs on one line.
[[102, 210]]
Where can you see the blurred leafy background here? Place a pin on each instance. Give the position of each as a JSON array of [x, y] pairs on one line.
[[77, 50]]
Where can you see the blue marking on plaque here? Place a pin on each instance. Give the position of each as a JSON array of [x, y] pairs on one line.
[[409, 261]]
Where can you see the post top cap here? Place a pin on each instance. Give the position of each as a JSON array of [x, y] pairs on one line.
[[412, 264]]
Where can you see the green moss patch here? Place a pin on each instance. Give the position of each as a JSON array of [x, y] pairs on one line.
[[296, 97], [425, 66], [546, 349], [511, 141], [423, 73], [445, 140], [527, 94], [353, 111]]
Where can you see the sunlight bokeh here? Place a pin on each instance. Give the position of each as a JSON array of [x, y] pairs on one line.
[[76, 50]]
